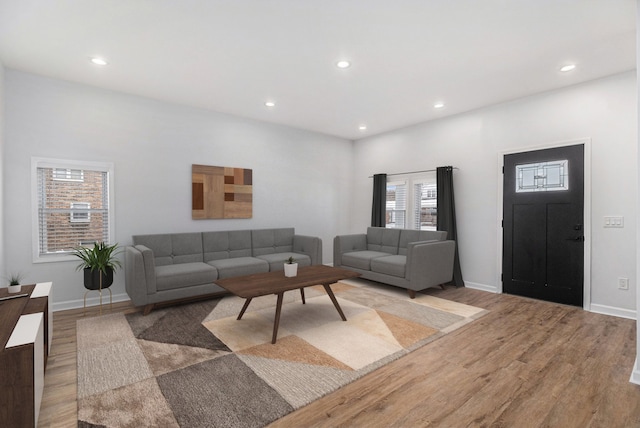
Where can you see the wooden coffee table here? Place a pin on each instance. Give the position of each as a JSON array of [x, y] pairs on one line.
[[261, 284]]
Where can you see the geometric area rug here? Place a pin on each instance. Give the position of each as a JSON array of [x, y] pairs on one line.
[[195, 365]]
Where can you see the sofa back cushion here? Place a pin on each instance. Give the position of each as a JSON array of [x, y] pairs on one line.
[[272, 241], [172, 248], [383, 239], [408, 235], [226, 244]]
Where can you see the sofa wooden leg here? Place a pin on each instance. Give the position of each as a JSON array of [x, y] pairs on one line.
[[442, 286], [412, 294], [147, 309]]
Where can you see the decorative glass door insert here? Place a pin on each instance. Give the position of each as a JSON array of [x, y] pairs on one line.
[[542, 177]]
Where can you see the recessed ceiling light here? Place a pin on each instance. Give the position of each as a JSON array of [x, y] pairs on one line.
[[362, 127], [438, 105], [343, 64], [99, 61], [567, 67], [270, 104]]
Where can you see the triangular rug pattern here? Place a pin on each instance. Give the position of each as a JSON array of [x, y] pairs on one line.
[[197, 365]]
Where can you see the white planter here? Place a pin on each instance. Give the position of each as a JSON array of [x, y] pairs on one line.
[[290, 269], [14, 288]]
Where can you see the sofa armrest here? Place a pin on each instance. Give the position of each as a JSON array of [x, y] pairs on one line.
[[347, 243], [429, 263], [309, 245], [140, 275]]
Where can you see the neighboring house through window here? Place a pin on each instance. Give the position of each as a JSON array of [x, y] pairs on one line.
[[80, 212], [73, 206], [67, 174]]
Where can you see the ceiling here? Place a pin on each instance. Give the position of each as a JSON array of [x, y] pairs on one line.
[[406, 55]]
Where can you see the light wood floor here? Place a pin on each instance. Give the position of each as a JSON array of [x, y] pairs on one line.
[[526, 364]]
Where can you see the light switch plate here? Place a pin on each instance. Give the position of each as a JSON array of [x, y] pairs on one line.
[[613, 221]]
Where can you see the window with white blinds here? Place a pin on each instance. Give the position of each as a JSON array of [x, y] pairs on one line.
[[425, 205], [396, 204], [416, 209], [73, 206]]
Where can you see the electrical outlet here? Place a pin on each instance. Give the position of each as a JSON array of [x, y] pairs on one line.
[[623, 283]]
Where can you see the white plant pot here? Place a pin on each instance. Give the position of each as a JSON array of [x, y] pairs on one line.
[[14, 288], [290, 269]]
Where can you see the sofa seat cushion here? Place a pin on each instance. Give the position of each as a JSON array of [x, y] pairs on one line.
[[276, 261], [182, 275], [390, 265], [361, 259], [239, 266]]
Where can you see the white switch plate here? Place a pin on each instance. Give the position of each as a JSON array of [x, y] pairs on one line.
[[613, 221]]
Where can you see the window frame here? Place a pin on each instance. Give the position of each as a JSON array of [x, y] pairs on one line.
[[410, 180], [39, 162], [397, 183], [431, 181]]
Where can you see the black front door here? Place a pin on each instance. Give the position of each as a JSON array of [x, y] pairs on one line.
[[543, 224]]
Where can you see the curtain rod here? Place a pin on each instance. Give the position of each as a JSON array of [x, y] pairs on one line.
[[414, 172]]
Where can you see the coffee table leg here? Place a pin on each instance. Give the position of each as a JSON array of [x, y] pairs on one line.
[[335, 302], [244, 308], [302, 294], [276, 321]]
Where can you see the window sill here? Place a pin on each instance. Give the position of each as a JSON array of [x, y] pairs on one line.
[[54, 258]]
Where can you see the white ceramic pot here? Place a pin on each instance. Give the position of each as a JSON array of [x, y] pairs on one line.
[[290, 269], [14, 288]]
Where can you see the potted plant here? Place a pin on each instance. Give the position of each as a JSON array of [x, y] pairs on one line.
[[99, 263], [14, 283], [290, 267]]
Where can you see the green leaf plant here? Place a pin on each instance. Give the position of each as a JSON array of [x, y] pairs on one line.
[[101, 257]]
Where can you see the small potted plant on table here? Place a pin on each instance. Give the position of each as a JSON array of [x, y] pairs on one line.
[[14, 283], [290, 267]]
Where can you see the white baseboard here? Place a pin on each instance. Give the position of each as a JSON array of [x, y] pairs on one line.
[[91, 301], [613, 311], [635, 374], [481, 287], [595, 308]]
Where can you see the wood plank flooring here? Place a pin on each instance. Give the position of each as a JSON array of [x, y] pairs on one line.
[[525, 364]]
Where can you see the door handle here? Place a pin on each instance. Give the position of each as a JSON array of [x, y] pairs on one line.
[[577, 238]]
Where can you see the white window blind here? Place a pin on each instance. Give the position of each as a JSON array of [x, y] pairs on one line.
[[425, 207], [73, 208], [396, 205]]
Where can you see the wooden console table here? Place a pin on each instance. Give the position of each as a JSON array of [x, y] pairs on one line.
[[26, 326]]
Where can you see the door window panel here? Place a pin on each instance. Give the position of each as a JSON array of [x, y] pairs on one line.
[[542, 177]]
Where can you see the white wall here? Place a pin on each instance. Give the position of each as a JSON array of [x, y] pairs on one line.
[[2, 109], [317, 183], [604, 110], [300, 178], [635, 374]]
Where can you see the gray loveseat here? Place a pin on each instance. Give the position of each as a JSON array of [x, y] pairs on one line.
[[411, 259], [176, 266]]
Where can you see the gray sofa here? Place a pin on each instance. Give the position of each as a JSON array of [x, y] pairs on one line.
[[411, 259], [177, 266]]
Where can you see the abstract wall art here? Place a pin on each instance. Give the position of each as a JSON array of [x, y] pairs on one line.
[[221, 192]]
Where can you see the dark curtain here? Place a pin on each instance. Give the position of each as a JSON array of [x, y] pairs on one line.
[[379, 209], [447, 215]]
